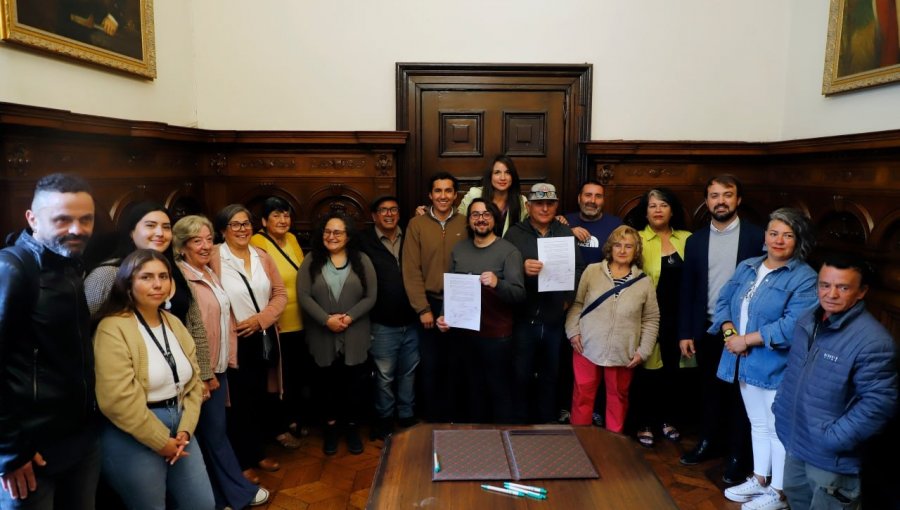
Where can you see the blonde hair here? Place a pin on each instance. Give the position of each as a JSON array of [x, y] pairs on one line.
[[617, 235], [187, 228]]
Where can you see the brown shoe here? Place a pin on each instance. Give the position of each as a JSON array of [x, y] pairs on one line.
[[269, 465], [251, 476]]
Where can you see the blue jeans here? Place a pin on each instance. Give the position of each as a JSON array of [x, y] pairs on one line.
[[808, 487], [68, 481], [144, 479], [395, 351]]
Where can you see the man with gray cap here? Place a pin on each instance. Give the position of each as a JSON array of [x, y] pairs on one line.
[[540, 319]]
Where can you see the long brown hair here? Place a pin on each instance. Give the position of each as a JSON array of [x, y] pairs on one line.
[[120, 298]]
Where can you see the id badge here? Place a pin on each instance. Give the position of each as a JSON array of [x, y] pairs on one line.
[[179, 397]]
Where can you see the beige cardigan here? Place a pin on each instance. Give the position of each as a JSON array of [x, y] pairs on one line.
[[613, 331], [120, 362]]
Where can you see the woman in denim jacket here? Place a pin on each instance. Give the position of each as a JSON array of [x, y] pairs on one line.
[[756, 313]]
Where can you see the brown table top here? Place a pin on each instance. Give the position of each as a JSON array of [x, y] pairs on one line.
[[403, 479]]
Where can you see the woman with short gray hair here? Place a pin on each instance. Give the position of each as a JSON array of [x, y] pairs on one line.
[[756, 313]]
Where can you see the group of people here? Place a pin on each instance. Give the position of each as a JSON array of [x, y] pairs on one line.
[[209, 330]]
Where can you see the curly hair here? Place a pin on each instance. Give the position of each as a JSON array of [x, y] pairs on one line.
[[320, 252], [617, 235]]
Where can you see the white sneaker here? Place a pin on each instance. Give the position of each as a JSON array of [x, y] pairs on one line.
[[262, 496], [771, 500], [746, 491]]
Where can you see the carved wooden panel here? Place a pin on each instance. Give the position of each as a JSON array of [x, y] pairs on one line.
[[524, 133], [462, 134], [191, 170], [847, 185]]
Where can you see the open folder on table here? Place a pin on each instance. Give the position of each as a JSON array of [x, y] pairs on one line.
[[510, 455]]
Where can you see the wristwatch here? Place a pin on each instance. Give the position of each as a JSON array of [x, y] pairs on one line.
[[729, 332]]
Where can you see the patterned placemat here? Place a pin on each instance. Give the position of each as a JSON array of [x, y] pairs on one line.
[[470, 455], [549, 453]]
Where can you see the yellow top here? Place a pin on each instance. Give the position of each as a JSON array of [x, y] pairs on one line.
[[291, 320]]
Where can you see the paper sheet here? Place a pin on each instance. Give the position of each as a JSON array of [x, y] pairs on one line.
[[462, 301], [558, 256]]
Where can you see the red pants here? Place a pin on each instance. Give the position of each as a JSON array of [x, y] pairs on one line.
[[587, 379]]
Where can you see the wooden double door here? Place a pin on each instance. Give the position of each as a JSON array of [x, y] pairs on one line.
[[461, 116]]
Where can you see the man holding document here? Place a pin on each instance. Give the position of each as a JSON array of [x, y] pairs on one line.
[[552, 272], [493, 267]]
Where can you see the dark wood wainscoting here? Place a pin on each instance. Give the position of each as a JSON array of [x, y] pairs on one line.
[[192, 170], [849, 186]]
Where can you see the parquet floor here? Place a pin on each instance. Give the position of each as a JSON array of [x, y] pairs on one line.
[[310, 480]]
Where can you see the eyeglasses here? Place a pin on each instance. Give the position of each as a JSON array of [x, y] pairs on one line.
[[335, 233], [236, 226], [479, 215], [388, 210]]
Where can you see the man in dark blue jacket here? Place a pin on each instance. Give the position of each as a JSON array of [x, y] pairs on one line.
[[395, 338], [49, 443], [710, 257], [839, 389]]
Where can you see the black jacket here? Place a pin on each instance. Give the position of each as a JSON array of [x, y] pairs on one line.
[[542, 307], [693, 320], [392, 307], [46, 354]]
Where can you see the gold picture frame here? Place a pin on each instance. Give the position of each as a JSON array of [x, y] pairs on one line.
[[863, 45], [120, 37]]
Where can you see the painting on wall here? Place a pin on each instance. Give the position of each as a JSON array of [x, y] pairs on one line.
[[111, 33], [863, 46]]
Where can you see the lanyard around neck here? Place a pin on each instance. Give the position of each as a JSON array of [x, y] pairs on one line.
[[167, 352]]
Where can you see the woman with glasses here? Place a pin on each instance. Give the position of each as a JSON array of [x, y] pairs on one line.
[[276, 239], [256, 292], [337, 288], [148, 386], [193, 245]]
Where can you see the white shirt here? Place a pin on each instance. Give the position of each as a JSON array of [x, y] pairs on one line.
[[161, 384], [761, 272], [232, 269]]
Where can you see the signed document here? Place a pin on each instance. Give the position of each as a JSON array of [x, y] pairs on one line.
[[558, 256], [462, 301]]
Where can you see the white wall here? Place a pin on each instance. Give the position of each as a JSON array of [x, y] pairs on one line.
[[807, 113], [692, 69], [33, 78], [663, 70]]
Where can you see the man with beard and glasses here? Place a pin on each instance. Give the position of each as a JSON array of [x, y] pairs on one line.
[[711, 255], [49, 447], [489, 351]]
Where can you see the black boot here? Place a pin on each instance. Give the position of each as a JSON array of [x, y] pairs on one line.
[[701, 453], [736, 471], [330, 439], [354, 443]]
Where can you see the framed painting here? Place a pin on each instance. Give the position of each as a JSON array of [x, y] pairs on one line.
[[111, 33], [863, 46]]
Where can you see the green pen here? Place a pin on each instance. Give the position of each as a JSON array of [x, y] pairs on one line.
[[437, 463], [527, 488]]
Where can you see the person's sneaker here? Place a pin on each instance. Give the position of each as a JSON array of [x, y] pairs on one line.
[[746, 491], [354, 443], [261, 497], [597, 419], [330, 439], [771, 500], [564, 416], [288, 441]]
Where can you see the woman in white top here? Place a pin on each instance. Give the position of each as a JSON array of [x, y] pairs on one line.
[[148, 386], [256, 291]]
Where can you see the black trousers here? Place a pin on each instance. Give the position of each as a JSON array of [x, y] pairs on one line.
[[341, 391], [490, 379], [248, 425], [724, 418]]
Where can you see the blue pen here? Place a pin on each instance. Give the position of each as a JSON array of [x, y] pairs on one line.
[[513, 492], [437, 463]]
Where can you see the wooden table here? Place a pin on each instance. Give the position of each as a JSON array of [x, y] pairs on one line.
[[403, 479]]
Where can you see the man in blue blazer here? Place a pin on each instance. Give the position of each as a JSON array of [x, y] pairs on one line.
[[710, 257]]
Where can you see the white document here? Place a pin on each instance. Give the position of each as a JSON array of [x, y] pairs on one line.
[[558, 256], [462, 301]]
